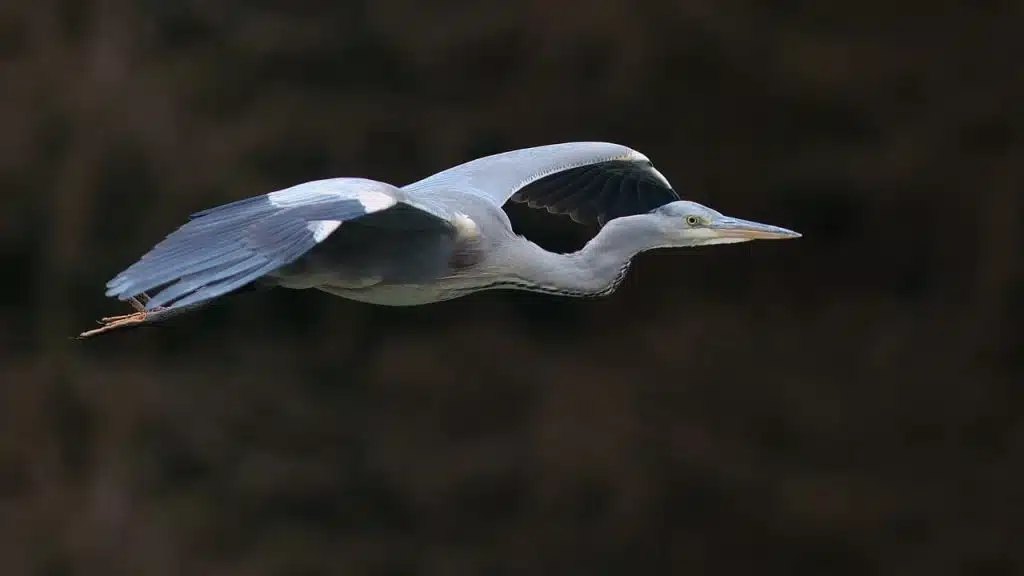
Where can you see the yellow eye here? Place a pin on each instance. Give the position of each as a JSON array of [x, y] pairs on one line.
[[692, 220]]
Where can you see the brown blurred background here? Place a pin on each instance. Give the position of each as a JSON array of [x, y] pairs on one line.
[[848, 403]]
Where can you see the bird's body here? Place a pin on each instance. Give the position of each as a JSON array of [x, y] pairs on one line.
[[398, 266], [436, 239]]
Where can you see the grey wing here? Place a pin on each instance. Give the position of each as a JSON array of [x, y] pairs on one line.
[[592, 182], [224, 248]]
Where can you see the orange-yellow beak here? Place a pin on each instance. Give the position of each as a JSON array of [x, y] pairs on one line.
[[738, 230]]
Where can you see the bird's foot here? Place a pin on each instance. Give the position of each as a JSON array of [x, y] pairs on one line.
[[109, 323]]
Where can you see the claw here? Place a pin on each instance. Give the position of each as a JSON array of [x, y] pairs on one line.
[[140, 316], [109, 319], [108, 324]]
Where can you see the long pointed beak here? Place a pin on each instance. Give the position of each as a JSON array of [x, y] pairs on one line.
[[727, 227]]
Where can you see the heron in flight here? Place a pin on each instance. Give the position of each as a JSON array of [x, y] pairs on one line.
[[436, 239]]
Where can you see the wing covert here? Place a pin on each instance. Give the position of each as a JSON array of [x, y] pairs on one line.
[[591, 182]]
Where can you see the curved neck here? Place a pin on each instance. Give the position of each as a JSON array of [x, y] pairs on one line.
[[596, 269]]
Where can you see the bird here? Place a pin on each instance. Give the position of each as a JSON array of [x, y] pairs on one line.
[[436, 239]]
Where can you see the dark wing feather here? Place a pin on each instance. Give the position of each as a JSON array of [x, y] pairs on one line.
[[627, 200], [591, 203], [553, 189], [596, 193], [575, 191]]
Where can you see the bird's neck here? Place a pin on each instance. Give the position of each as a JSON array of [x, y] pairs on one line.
[[599, 267]]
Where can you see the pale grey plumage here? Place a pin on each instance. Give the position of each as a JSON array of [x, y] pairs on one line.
[[439, 238]]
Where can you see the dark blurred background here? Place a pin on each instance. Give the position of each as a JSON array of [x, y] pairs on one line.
[[848, 403]]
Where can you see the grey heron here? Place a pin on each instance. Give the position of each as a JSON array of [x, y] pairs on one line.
[[436, 239]]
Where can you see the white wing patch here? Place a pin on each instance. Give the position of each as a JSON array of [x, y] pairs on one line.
[[374, 201], [466, 226], [321, 229], [358, 189]]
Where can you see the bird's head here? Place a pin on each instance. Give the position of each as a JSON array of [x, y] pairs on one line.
[[692, 224]]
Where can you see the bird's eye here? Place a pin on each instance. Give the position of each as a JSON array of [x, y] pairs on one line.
[[692, 220]]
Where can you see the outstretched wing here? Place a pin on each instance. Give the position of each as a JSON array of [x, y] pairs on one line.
[[224, 248], [592, 182]]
